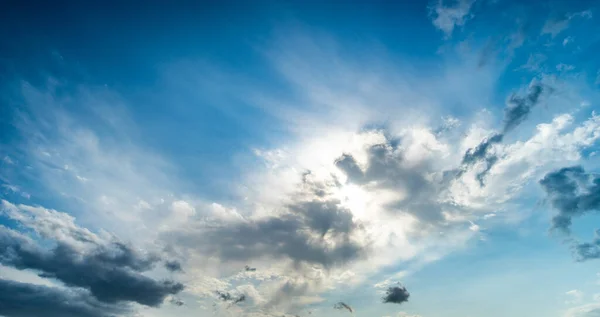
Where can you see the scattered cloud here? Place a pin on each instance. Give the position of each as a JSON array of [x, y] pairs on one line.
[[448, 17], [555, 26], [572, 192]]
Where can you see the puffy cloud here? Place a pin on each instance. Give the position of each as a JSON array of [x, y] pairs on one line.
[[396, 295], [25, 300], [108, 268], [314, 229]]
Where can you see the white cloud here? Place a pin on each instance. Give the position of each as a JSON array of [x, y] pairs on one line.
[[574, 297], [446, 18], [588, 310]]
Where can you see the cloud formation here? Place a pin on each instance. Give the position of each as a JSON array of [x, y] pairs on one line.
[[26, 300], [109, 269], [396, 295], [342, 305], [588, 250], [447, 17], [572, 192], [516, 111]]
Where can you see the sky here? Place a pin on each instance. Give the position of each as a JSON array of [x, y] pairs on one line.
[[300, 158]]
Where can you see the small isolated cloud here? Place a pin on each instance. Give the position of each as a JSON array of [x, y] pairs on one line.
[[396, 295], [173, 266], [567, 40], [572, 192], [342, 305], [447, 17], [534, 63], [555, 26], [564, 67]]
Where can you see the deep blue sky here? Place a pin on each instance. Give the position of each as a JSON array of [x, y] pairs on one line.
[[322, 142]]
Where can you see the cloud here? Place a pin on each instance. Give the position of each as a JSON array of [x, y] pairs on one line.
[[227, 297], [587, 310], [446, 18], [516, 111], [316, 230], [173, 266], [108, 268], [396, 295], [519, 107], [25, 300], [588, 250], [572, 192], [342, 305], [576, 296], [556, 26]]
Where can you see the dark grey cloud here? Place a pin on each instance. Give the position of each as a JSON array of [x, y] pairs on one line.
[[396, 295], [249, 269], [112, 273], [572, 192], [29, 300], [304, 232], [476, 154], [177, 302], [173, 266], [342, 305]]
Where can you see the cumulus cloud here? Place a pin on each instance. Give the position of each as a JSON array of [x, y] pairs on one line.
[[396, 295], [25, 300], [111, 270], [448, 17], [312, 229]]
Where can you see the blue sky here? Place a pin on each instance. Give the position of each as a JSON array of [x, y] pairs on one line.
[[276, 158]]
